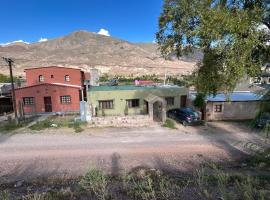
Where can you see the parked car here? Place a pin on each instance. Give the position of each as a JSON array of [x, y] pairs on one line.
[[263, 120], [185, 116]]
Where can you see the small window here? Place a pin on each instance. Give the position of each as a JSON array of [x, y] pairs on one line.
[[28, 101], [170, 101], [41, 78], [133, 103], [65, 99], [67, 78], [52, 76], [218, 108], [108, 104]]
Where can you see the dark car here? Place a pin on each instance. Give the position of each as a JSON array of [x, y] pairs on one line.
[[184, 115], [263, 120]]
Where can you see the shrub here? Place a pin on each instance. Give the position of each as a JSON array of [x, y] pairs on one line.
[[169, 124], [95, 182], [41, 125]]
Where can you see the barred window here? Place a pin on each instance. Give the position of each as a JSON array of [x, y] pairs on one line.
[[67, 78], [65, 99], [41, 78], [218, 108], [108, 104], [133, 103], [28, 101], [170, 101]]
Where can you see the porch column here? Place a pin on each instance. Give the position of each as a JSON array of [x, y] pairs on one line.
[[151, 110]]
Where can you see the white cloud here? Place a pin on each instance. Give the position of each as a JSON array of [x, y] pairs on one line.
[[16, 41], [43, 39], [104, 32]]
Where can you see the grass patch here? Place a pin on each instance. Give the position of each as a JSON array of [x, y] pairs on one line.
[[169, 124], [58, 123]]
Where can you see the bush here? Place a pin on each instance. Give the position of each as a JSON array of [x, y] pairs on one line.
[[95, 182], [41, 125], [169, 124]]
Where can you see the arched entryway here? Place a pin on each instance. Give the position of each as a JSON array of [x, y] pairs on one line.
[[156, 108]]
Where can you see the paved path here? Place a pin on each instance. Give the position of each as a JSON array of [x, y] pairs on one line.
[[58, 152]]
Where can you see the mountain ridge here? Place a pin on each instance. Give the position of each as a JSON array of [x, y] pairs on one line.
[[86, 50]]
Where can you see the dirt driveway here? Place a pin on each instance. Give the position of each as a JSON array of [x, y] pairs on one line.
[[57, 152]]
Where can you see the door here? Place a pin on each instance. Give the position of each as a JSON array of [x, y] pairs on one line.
[[48, 104], [183, 102]]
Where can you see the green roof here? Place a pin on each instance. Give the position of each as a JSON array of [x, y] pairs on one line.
[[126, 87]]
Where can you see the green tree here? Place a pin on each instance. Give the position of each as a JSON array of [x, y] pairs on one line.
[[232, 34]]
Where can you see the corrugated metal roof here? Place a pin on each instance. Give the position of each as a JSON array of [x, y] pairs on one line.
[[235, 96]]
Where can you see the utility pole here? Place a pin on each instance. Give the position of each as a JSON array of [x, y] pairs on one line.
[[9, 61]]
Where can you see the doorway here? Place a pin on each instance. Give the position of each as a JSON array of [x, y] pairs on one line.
[[183, 102], [48, 104]]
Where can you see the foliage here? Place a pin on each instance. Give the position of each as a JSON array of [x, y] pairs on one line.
[[146, 185], [6, 79], [229, 33], [199, 100], [57, 123], [169, 124], [95, 182], [4, 195]]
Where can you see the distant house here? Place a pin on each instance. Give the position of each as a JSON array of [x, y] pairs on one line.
[[51, 89], [152, 100], [236, 106]]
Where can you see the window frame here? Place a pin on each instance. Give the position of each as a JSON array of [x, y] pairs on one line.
[[168, 102], [28, 101], [109, 104], [65, 99], [67, 78], [133, 103], [41, 78], [218, 108]]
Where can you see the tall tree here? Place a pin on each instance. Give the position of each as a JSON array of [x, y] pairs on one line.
[[233, 35]]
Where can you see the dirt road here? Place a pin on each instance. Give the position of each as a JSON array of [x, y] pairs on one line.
[[57, 152]]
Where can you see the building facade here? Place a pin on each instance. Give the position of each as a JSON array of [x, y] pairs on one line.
[[51, 89], [136, 100], [239, 106]]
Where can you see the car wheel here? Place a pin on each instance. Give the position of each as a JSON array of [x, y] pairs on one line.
[[184, 123]]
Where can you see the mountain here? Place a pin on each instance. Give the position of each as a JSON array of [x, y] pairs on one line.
[[84, 49]]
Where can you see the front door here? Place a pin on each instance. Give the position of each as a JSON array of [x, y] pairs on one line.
[[48, 104], [183, 102]]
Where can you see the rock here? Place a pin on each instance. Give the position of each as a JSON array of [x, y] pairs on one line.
[[18, 183]]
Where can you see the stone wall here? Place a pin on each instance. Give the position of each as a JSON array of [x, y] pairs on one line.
[[121, 121]]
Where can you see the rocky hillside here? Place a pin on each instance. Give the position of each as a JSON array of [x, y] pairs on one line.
[[85, 49]]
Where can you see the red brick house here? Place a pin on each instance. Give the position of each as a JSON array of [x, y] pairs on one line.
[[51, 89]]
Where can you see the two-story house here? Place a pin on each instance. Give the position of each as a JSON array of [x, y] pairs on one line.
[[51, 89]]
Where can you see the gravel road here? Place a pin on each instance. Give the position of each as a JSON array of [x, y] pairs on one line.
[[58, 152]]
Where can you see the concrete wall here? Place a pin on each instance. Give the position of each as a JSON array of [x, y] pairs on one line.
[[233, 110], [119, 98]]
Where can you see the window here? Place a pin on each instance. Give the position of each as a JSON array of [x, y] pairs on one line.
[[28, 101], [41, 78], [218, 108], [67, 78], [65, 99], [52, 76], [133, 103], [170, 101], [108, 104]]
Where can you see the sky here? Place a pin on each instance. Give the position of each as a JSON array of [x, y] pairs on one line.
[[34, 20]]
